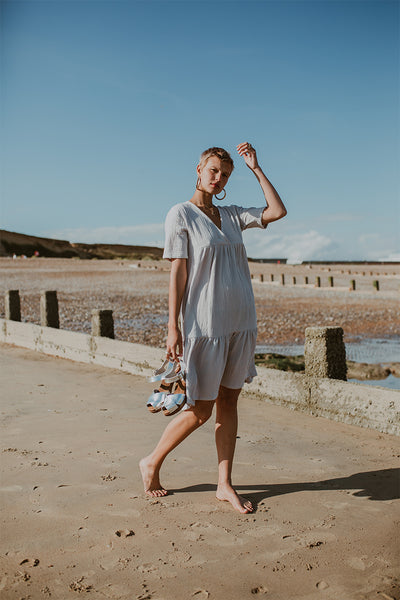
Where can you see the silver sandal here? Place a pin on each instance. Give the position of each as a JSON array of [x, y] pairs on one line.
[[155, 402], [167, 368], [177, 399]]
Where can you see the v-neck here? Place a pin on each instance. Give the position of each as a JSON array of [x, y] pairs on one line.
[[208, 218]]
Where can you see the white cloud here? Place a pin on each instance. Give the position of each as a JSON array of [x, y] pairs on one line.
[[394, 257], [374, 246], [296, 247], [298, 243]]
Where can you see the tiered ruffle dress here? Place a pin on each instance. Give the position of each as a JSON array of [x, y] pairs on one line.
[[218, 317]]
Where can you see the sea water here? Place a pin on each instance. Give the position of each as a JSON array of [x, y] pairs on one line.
[[370, 351]]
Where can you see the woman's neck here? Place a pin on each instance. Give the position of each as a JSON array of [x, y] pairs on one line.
[[202, 199]]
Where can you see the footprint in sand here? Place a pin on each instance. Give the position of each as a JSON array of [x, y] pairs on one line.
[[322, 585], [176, 558], [260, 589], [80, 586], [124, 533], [201, 594], [147, 568], [109, 477], [30, 562], [22, 576], [210, 533]]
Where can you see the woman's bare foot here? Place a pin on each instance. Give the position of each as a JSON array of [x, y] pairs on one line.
[[228, 494], [151, 479]]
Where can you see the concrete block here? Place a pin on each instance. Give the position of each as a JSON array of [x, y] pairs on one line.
[[325, 353]]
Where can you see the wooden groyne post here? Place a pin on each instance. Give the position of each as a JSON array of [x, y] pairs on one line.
[[325, 353], [12, 305], [103, 323], [49, 309]]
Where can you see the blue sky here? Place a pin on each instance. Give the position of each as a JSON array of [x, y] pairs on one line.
[[107, 105]]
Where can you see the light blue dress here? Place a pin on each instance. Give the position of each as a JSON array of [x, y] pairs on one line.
[[218, 316]]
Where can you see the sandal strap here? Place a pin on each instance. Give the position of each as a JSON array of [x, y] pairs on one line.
[[174, 401], [176, 374], [166, 368]]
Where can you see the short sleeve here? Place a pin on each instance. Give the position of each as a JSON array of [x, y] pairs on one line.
[[176, 235], [250, 217]]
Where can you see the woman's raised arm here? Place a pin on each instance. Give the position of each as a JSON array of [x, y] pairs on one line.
[[275, 208]]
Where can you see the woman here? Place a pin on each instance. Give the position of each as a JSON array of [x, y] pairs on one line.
[[210, 288]]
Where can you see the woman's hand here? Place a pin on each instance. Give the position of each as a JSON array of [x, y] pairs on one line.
[[249, 154], [174, 343]]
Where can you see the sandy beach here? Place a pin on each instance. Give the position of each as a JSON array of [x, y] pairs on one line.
[[75, 519], [74, 516]]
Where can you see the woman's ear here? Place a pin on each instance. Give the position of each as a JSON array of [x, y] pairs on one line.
[[198, 170]]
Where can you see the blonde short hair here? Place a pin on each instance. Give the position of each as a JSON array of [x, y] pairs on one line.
[[219, 152]]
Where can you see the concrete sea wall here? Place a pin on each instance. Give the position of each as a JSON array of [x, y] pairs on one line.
[[353, 403], [136, 359], [357, 404]]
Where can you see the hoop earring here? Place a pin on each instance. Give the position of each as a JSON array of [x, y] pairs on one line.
[[198, 184], [223, 197]]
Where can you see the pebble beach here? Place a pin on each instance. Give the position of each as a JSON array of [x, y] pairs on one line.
[[137, 293]]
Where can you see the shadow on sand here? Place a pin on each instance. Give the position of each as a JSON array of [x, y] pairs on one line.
[[374, 485]]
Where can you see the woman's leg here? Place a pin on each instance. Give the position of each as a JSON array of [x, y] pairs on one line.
[[175, 432], [225, 437]]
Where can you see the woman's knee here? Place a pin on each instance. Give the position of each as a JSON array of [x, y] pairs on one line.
[[203, 410], [228, 397]]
